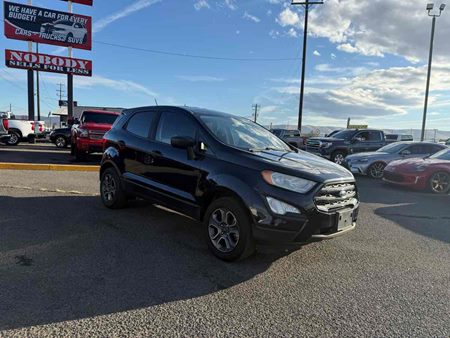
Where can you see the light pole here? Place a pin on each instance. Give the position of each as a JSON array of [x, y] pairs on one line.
[[430, 60], [305, 4]]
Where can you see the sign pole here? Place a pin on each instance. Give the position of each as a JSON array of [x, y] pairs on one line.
[[30, 77], [70, 79]]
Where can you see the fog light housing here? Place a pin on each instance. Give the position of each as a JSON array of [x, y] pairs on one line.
[[281, 208]]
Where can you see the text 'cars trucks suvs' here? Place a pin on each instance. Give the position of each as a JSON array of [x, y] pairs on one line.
[[244, 183]]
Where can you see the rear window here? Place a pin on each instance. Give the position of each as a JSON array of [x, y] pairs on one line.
[[102, 118], [391, 137]]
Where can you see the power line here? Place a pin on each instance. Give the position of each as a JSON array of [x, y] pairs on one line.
[[194, 56]]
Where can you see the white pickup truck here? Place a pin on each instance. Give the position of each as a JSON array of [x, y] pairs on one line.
[[22, 130]]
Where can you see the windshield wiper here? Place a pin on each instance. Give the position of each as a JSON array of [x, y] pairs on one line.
[[255, 150]]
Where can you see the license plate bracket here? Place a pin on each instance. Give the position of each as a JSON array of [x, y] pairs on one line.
[[344, 219]]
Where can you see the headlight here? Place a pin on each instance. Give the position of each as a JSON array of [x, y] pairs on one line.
[[364, 159], [281, 208], [288, 182], [83, 133], [326, 144]]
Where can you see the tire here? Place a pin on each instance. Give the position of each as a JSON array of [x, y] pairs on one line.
[[439, 182], [226, 241], [14, 138], [338, 157], [376, 169], [111, 191], [61, 142]]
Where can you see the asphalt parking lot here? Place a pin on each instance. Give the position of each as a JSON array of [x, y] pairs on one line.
[[70, 267]]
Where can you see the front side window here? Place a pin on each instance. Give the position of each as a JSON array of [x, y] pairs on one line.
[[242, 133], [174, 124], [140, 123]]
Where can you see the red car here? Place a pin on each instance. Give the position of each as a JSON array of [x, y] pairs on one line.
[[432, 172], [87, 133]]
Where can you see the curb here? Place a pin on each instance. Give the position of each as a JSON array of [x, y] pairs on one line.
[[51, 167]]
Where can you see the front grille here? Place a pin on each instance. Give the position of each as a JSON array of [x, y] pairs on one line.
[[96, 134], [314, 144], [336, 196], [393, 176]]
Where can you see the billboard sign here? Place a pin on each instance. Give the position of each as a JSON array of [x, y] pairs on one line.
[[82, 2], [47, 63], [29, 23]]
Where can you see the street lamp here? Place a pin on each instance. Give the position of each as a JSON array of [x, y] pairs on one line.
[[430, 60], [306, 4]]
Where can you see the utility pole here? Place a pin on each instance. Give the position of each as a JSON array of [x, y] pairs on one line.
[[430, 60], [306, 4], [38, 92], [348, 122], [60, 92], [70, 79], [10, 108], [255, 112]]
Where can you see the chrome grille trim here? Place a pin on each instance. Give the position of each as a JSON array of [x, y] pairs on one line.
[[336, 196]]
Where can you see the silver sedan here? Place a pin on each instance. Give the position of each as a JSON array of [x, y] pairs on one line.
[[373, 163]]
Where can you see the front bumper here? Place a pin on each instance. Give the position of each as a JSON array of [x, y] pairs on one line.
[[413, 180], [300, 228], [357, 167], [90, 145], [322, 152]]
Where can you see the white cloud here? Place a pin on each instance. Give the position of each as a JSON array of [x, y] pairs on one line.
[[333, 56], [316, 53], [200, 78], [288, 18], [199, 4], [231, 4], [136, 6], [251, 17]]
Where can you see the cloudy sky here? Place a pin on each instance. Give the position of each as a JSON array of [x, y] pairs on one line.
[[366, 60]]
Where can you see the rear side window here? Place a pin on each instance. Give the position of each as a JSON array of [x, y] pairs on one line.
[[140, 123], [174, 124], [418, 149]]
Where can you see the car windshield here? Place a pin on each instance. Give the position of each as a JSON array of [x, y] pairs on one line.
[[92, 117], [242, 133], [442, 155], [344, 134], [392, 148]]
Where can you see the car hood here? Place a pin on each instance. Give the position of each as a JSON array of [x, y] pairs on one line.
[[307, 165], [369, 154]]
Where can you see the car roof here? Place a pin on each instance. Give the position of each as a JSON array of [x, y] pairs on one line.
[[191, 110], [101, 111]]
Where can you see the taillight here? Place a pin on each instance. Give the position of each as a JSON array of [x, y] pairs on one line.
[[5, 124], [40, 128], [32, 126]]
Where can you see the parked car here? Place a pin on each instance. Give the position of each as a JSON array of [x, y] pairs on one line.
[[292, 137], [346, 142], [69, 31], [242, 181], [432, 173], [390, 138], [87, 133], [333, 132], [373, 163], [448, 142], [23, 130], [4, 136], [60, 137]]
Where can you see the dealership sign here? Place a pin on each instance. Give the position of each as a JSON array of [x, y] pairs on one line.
[[29, 23], [83, 2], [47, 63]]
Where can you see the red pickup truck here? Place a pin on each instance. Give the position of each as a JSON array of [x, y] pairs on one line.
[[87, 132]]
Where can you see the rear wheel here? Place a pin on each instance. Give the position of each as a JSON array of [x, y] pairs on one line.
[[440, 183], [61, 142], [14, 138], [111, 191], [228, 230], [376, 170], [338, 157]]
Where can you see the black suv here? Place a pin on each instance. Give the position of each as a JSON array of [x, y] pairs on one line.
[[346, 142], [242, 181]]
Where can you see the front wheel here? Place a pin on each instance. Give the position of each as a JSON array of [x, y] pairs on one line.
[[61, 142], [440, 183], [376, 170], [228, 230], [111, 191], [338, 157]]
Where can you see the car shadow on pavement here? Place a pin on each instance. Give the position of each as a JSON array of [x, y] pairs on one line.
[[67, 257], [424, 213]]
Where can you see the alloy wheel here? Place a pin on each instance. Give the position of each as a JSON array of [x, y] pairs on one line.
[[376, 170], [109, 188], [60, 142], [13, 139], [440, 183], [339, 159], [223, 230]]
